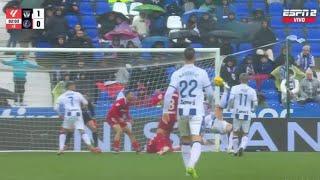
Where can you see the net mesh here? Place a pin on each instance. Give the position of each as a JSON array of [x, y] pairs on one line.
[[33, 79]]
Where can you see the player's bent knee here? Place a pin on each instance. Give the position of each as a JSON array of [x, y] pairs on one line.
[[195, 138]]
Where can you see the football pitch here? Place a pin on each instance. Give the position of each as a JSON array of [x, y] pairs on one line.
[[130, 166]]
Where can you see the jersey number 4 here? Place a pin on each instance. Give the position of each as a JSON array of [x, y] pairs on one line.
[[184, 86]]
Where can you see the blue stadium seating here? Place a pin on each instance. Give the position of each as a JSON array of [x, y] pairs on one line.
[[315, 48], [92, 33], [253, 84], [280, 33], [276, 22], [88, 22], [102, 7], [196, 45], [245, 46], [86, 8], [268, 85], [298, 32], [72, 20], [275, 9], [313, 34], [311, 5], [42, 44], [259, 5], [296, 48], [242, 9], [272, 95]]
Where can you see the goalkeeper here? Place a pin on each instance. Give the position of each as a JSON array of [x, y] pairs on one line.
[[161, 143]]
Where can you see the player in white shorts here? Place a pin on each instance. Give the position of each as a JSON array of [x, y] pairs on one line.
[[190, 82], [243, 101], [69, 108]]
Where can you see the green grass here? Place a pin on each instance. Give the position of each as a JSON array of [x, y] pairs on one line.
[[130, 166]]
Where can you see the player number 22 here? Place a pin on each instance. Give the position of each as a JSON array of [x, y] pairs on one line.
[[184, 86]]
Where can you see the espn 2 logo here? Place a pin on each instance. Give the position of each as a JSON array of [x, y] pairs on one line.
[[299, 15]]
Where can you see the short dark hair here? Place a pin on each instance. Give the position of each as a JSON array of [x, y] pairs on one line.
[[189, 53], [244, 78], [70, 83]]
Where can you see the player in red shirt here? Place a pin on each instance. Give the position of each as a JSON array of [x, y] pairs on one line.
[[161, 143], [118, 118]]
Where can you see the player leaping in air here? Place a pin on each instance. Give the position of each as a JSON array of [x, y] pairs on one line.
[[119, 118], [190, 82], [68, 107], [161, 143], [243, 101]]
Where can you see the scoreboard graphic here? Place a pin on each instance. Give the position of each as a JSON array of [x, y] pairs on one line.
[[24, 19]]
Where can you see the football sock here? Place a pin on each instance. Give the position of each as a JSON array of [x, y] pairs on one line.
[[185, 151], [230, 141], [224, 142], [95, 139], [194, 154], [244, 142], [62, 140], [235, 143], [68, 137], [86, 139]]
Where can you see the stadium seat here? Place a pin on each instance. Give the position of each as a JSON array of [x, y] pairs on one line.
[[92, 33], [72, 20], [253, 84], [258, 5], [280, 33], [298, 32], [268, 85], [271, 95], [132, 6], [42, 44], [315, 49], [296, 48], [311, 5], [88, 22], [102, 7], [196, 45], [174, 22], [275, 9], [245, 46], [85, 8], [242, 9], [313, 34], [120, 7], [276, 22]]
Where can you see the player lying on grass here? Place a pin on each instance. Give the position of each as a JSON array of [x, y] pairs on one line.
[[88, 115], [119, 119], [68, 107], [161, 143]]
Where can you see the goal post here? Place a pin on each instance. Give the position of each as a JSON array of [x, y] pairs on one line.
[[31, 124]]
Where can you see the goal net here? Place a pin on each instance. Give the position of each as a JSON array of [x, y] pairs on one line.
[[32, 79]]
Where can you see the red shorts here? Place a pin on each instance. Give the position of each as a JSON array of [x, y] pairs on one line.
[[169, 126], [156, 144], [115, 121]]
